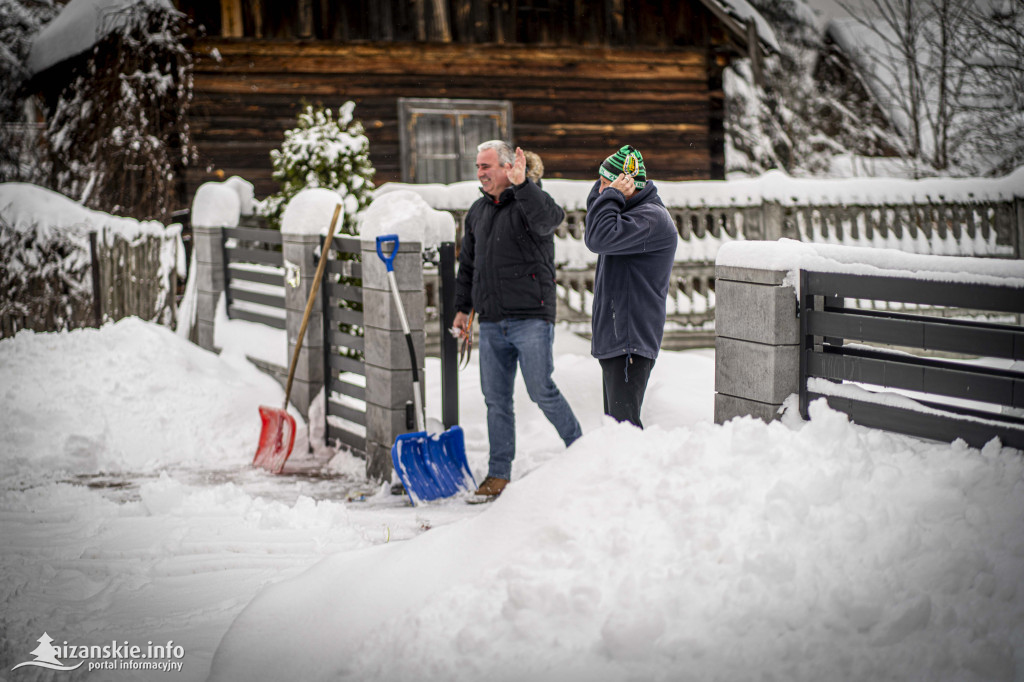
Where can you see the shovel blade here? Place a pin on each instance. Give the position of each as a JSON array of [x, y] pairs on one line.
[[276, 439], [432, 467]]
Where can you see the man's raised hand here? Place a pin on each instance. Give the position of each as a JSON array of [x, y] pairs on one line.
[[517, 173]]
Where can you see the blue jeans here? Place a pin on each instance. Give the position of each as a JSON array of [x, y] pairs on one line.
[[527, 343]]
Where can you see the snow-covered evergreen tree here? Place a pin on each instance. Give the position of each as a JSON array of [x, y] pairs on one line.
[[19, 20], [44, 280], [324, 151], [118, 135]]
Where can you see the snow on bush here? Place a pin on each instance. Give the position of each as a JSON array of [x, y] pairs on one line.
[[323, 151], [19, 20], [117, 134], [46, 283]]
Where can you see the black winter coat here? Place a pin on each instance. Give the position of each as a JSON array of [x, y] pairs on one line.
[[507, 261]]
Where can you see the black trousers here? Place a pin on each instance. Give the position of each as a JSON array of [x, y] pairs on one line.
[[625, 382]]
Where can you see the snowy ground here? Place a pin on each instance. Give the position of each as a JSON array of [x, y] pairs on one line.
[[129, 514]]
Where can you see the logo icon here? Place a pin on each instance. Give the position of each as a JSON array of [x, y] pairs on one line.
[[46, 656], [631, 166]]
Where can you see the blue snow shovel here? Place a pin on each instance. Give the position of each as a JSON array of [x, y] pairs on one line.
[[430, 467]]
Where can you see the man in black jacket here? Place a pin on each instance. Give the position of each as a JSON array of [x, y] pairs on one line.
[[507, 274]]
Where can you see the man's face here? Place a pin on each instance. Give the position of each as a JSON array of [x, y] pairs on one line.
[[492, 175], [605, 182]]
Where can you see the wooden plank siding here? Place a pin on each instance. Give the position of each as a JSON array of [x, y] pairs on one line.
[[596, 23], [571, 104]]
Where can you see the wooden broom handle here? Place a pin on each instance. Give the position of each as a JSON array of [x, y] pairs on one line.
[[309, 304]]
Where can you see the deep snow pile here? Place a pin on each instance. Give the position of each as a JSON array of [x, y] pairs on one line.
[[685, 551], [128, 507], [747, 551], [130, 397]]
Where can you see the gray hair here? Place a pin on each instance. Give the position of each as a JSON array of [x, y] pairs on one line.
[[505, 152]]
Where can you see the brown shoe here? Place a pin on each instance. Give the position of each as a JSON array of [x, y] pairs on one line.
[[491, 487]]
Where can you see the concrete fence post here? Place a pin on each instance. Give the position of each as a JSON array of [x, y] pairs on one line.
[[209, 249], [299, 251], [772, 217], [1018, 251], [757, 342], [388, 369]]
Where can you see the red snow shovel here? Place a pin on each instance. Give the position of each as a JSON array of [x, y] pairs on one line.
[[278, 434]]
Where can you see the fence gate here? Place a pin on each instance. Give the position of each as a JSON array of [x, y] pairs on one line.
[[970, 399], [344, 367], [254, 275]]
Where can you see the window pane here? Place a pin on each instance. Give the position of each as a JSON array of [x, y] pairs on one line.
[[436, 153], [476, 129]]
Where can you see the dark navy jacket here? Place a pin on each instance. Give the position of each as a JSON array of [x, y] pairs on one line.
[[636, 242], [507, 261]]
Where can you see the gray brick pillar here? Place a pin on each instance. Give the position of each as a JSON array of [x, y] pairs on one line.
[[757, 335], [299, 251], [209, 249], [388, 369]]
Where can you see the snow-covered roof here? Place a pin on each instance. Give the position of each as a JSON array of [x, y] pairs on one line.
[[79, 26], [83, 23], [745, 12], [870, 46]]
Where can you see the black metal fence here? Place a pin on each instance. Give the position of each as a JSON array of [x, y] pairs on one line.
[[847, 353]]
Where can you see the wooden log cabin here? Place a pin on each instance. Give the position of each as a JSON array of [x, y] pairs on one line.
[[569, 79]]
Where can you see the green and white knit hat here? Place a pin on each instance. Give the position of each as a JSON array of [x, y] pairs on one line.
[[627, 160]]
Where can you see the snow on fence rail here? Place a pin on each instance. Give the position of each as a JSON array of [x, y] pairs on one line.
[[879, 367], [67, 267], [936, 216]]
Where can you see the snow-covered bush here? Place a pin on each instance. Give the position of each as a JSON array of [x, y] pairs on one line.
[[324, 151], [45, 281], [118, 137]]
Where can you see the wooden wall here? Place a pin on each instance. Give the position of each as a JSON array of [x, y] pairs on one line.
[[597, 23], [571, 105]]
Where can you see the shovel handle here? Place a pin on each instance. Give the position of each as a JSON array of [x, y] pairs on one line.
[[389, 261], [309, 303]]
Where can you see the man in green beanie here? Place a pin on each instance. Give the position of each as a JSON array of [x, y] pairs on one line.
[[635, 238]]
